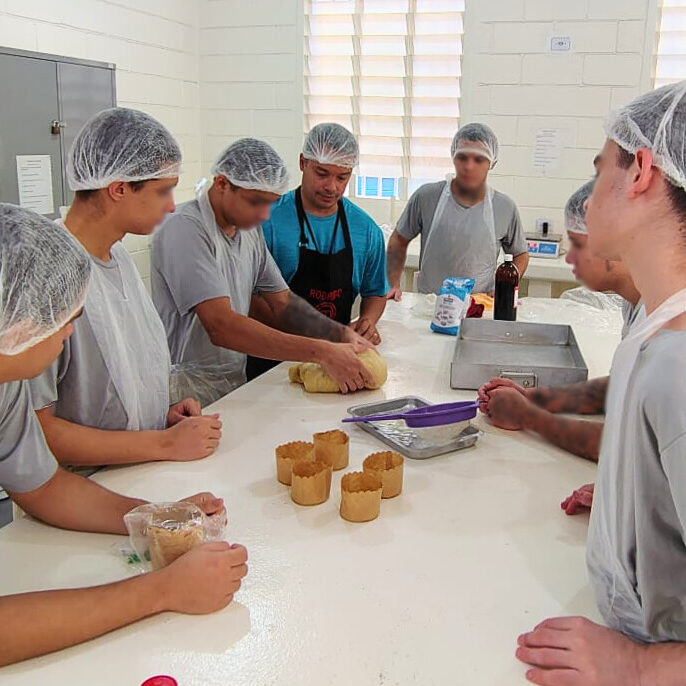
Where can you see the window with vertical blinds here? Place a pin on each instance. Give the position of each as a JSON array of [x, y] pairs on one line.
[[388, 70], [671, 49]]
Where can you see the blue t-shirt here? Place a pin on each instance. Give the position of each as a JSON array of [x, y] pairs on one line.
[[282, 235]]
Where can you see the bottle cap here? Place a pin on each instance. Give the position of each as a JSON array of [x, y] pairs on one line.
[[161, 680]]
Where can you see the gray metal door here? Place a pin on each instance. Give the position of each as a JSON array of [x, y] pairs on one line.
[[83, 91], [38, 91], [29, 105]]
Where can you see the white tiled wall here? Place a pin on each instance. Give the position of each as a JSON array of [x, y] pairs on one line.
[[251, 69], [512, 81], [216, 70]]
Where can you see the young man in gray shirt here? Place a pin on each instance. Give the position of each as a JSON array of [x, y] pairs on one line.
[[210, 258], [509, 406], [123, 167], [43, 285], [463, 222], [636, 549]]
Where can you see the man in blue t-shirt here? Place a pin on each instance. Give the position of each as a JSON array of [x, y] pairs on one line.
[[328, 249]]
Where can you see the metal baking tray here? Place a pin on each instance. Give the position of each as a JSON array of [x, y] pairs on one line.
[[417, 444], [530, 354]]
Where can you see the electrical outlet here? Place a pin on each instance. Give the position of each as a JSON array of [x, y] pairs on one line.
[[560, 43]]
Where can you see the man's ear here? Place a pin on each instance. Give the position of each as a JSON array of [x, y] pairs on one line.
[[221, 182], [643, 172], [302, 162], [116, 190]]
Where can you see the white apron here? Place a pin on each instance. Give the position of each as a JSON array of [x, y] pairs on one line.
[[132, 341], [616, 595], [468, 249]]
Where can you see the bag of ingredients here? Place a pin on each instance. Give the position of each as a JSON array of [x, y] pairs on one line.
[[162, 532], [452, 302]]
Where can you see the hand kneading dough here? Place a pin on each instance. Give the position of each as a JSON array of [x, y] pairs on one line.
[[316, 380]]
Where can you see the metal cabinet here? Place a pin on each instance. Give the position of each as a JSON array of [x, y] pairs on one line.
[[45, 100]]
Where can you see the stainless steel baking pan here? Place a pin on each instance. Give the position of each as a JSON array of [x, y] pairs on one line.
[[530, 354], [417, 444]]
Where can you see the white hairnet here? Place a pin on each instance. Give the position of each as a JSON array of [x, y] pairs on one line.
[[44, 274], [476, 138], [657, 121], [330, 143], [253, 164], [575, 209], [120, 144]]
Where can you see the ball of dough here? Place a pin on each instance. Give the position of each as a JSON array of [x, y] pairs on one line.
[[316, 380], [294, 374]]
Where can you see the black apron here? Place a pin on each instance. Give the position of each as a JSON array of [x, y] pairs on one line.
[[325, 280]]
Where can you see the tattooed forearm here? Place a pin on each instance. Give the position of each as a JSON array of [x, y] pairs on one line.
[[577, 436], [587, 397], [299, 317]]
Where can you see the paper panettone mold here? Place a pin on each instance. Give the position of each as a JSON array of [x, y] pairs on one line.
[[162, 532], [287, 454], [311, 482], [332, 447], [360, 496], [388, 465]]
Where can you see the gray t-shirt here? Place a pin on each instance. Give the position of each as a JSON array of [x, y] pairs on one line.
[[78, 384], [192, 263], [651, 487], [417, 217], [74, 371], [26, 462]]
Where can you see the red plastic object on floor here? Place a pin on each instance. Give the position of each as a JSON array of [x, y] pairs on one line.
[[160, 680]]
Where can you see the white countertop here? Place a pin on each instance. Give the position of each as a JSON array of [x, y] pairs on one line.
[[475, 551], [546, 269], [540, 268]]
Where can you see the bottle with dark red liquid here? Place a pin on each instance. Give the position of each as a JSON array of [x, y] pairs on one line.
[[506, 290]]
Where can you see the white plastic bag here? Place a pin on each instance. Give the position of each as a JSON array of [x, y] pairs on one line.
[[161, 532], [601, 301]]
